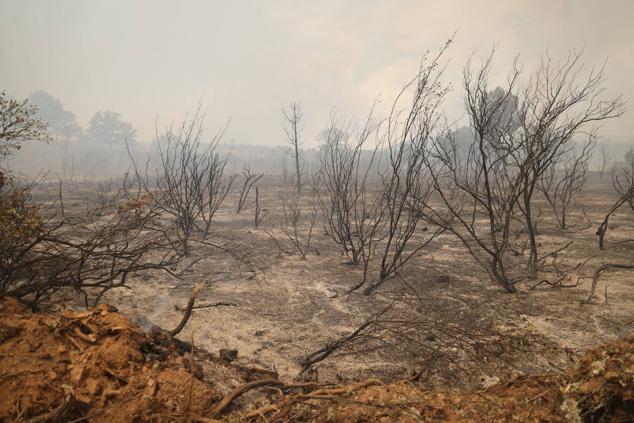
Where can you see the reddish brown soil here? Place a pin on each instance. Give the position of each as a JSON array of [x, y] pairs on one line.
[[95, 365]]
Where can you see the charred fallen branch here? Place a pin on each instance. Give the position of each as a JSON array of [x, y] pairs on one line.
[[237, 251], [211, 305], [363, 330]]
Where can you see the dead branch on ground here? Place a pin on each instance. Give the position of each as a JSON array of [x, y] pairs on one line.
[[239, 391], [211, 305]]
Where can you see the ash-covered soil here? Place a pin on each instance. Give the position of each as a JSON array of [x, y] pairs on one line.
[[291, 306], [460, 329]]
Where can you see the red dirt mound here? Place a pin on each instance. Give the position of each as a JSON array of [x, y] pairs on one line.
[[94, 363], [97, 366]]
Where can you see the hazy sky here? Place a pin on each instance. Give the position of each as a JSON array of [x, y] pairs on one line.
[[156, 59]]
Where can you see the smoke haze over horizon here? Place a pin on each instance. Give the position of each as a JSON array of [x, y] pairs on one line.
[[152, 61]]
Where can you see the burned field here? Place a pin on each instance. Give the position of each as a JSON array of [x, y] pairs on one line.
[[409, 270], [438, 338], [441, 317]]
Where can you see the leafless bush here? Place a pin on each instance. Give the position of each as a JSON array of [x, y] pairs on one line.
[[107, 195], [44, 251], [562, 182], [348, 203], [292, 215], [557, 103], [382, 229], [190, 184], [291, 226], [395, 234], [519, 133], [249, 180], [59, 252], [478, 189]]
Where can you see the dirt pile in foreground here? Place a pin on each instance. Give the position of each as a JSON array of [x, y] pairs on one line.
[[96, 364]]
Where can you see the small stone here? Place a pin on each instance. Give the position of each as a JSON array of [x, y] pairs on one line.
[[228, 355], [443, 279]]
